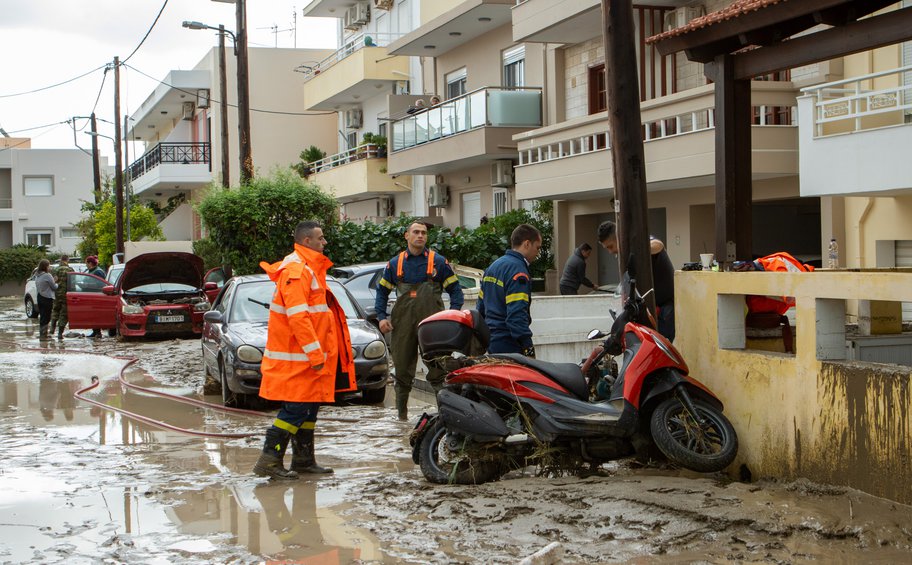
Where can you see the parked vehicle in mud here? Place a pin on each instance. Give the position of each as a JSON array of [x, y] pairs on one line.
[[234, 336], [507, 411], [30, 296], [157, 293]]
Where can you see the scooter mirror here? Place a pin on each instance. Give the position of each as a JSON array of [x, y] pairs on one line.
[[614, 314], [596, 334]]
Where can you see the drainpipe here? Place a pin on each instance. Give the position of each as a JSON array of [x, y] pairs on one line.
[[860, 227]]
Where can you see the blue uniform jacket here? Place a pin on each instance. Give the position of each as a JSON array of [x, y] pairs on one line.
[[414, 271], [504, 300]]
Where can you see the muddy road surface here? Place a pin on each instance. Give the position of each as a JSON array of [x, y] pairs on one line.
[[80, 484]]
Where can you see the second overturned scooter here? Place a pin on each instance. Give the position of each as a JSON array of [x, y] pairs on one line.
[[506, 411]]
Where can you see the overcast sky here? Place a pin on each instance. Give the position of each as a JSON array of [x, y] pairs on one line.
[[45, 42]]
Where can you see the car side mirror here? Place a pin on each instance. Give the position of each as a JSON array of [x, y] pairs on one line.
[[210, 286], [109, 290], [213, 316]]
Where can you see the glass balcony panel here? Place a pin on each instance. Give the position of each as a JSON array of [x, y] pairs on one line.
[[460, 109], [434, 126], [514, 108], [448, 118], [421, 125], [398, 141], [477, 113]]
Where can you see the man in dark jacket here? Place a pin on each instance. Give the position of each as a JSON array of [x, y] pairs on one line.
[[506, 294], [575, 271]]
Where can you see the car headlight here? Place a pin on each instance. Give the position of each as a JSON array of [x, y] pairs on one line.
[[375, 350], [132, 308], [201, 307], [249, 354]]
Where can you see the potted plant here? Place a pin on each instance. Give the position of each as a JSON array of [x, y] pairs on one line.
[[308, 157]]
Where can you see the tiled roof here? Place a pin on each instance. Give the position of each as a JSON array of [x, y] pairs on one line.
[[734, 10]]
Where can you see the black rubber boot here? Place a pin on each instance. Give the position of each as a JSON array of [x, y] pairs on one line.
[[402, 405], [43, 332], [270, 462], [302, 454]]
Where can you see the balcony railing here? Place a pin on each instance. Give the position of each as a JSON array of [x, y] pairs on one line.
[[485, 107], [851, 101], [180, 153], [365, 151], [6, 202], [351, 46]]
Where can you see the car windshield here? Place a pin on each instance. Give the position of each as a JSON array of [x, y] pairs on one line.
[[154, 288], [251, 302], [351, 311]]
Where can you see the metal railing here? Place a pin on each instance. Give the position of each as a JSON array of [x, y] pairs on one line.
[[854, 99], [485, 107], [6, 203], [351, 46], [181, 153], [364, 151]]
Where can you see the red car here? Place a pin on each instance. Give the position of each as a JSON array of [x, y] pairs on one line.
[[158, 293]]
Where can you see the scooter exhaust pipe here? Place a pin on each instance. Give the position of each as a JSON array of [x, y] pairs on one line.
[[516, 439]]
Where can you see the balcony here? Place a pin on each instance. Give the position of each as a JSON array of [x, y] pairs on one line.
[[356, 174], [163, 109], [462, 132], [170, 167], [572, 159], [459, 26], [354, 73], [6, 209], [855, 136]]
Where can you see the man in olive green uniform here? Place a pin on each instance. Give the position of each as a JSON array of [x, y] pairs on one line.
[[419, 276], [59, 313]]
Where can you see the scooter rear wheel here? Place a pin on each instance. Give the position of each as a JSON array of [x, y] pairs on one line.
[[443, 465], [705, 449]]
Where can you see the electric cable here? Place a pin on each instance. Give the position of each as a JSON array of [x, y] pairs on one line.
[[100, 89], [53, 85], [147, 34]]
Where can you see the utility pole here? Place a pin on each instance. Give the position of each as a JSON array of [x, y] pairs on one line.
[[96, 169], [118, 165], [223, 107], [243, 79], [626, 139], [128, 173]]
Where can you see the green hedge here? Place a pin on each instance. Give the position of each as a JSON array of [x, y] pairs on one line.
[[17, 263]]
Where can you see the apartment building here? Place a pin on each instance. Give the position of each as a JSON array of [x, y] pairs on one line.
[[41, 194], [357, 81], [179, 124]]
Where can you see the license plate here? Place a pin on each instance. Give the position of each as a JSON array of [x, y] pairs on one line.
[[168, 319]]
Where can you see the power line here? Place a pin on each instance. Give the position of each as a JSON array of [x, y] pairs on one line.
[[53, 85], [97, 98], [37, 127], [279, 112], [147, 33], [27, 140]]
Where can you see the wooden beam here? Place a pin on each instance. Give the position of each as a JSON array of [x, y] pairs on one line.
[[863, 35], [734, 191]]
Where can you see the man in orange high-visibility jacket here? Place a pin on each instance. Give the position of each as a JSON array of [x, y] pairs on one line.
[[308, 350]]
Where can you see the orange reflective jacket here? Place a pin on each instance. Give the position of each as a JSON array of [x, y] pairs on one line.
[[307, 327], [777, 262]]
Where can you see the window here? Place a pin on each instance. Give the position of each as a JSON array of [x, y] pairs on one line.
[[598, 89], [38, 186], [456, 83], [84, 282], [381, 129], [513, 67], [500, 201], [471, 210], [39, 237], [69, 232]]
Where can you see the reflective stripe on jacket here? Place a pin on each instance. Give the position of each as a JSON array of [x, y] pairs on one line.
[[413, 269], [505, 298], [307, 327]]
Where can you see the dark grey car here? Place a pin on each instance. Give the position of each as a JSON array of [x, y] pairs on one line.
[[234, 336]]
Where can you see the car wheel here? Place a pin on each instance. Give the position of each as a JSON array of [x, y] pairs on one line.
[[30, 309], [374, 395], [229, 398], [112, 332]]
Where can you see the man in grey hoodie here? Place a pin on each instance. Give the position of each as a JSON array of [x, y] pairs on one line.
[[575, 271]]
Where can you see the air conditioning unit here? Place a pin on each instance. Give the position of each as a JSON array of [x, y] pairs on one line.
[[362, 13], [679, 17], [348, 22], [383, 4], [353, 119], [202, 98], [502, 173], [187, 110], [438, 196]]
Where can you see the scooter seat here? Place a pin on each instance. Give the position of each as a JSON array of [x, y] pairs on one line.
[[568, 375]]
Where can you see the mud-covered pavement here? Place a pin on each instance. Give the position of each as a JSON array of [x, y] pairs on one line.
[[83, 485]]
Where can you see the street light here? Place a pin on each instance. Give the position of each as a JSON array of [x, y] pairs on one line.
[[243, 87]]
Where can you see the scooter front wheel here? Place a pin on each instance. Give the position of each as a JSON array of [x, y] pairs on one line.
[[705, 448], [445, 459]]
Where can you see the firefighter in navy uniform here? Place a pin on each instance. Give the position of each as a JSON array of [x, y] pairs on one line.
[[419, 276], [506, 294]]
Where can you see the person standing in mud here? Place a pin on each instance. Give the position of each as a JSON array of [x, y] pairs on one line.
[[94, 269], [59, 316], [45, 286], [419, 276], [307, 349]]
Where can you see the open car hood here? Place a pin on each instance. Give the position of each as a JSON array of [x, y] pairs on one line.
[[163, 267]]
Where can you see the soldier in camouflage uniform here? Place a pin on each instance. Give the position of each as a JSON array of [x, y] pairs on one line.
[[59, 314]]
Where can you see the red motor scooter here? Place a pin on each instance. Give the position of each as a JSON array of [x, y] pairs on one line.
[[506, 411]]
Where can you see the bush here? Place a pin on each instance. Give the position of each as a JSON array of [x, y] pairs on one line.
[[18, 262]]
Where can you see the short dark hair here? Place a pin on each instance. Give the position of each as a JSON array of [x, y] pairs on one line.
[[305, 229], [64, 257], [606, 230], [524, 232], [426, 225], [585, 247]]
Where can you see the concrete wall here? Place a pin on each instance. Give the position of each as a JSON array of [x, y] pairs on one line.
[[810, 414], [179, 224]]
